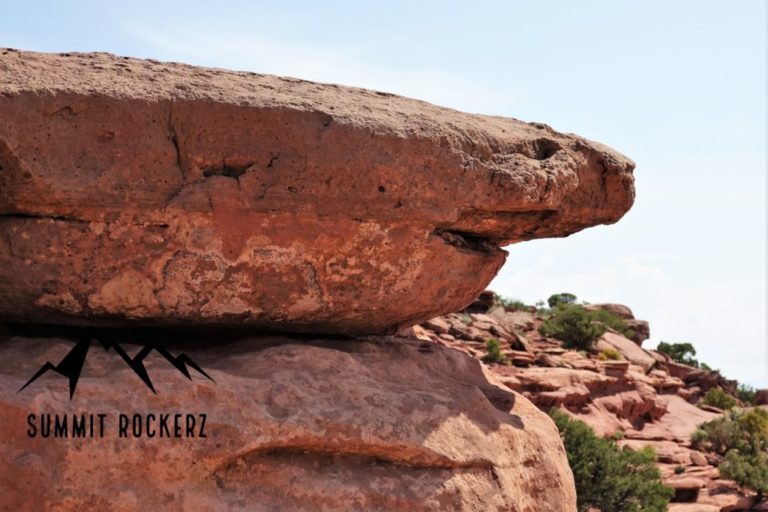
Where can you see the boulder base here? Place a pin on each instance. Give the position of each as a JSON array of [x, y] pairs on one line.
[[322, 425]]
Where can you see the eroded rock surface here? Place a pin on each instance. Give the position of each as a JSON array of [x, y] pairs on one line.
[[153, 192], [643, 396], [363, 424]]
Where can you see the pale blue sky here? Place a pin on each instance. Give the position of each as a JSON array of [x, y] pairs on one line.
[[677, 86]]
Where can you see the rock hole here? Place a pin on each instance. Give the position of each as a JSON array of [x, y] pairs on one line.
[[544, 148], [382, 189], [229, 171], [468, 241]]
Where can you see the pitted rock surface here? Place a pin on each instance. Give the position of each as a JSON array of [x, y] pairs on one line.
[[160, 193], [380, 423]]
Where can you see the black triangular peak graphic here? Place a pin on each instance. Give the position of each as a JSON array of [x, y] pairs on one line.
[[71, 366]]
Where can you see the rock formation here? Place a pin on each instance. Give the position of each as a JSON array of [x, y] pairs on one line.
[[155, 193], [322, 424], [644, 396], [242, 208]]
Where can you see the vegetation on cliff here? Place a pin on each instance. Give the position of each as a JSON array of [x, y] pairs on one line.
[[741, 437], [577, 327], [679, 352], [607, 477], [716, 397]]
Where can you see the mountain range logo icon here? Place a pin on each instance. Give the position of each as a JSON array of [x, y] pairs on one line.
[[71, 366]]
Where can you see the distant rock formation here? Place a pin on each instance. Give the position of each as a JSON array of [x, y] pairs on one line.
[[640, 328], [135, 191], [645, 396]]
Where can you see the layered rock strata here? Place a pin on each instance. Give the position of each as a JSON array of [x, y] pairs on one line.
[[157, 193]]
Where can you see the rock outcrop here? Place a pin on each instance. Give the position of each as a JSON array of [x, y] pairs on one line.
[[641, 331], [153, 193], [380, 423], [644, 396]]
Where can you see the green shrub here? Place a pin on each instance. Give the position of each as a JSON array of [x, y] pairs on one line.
[[716, 397], [511, 304], [541, 308], [607, 477], [749, 471], [609, 354], [495, 355], [614, 322], [742, 437], [679, 352], [679, 470], [561, 298], [573, 325], [746, 393], [738, 429]]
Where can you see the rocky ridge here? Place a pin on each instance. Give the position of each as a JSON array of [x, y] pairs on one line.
[[644, 396]]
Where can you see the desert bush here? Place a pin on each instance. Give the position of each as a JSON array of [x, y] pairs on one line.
[[741, 436], [607, 477], [561, 298], [716, 397], [495, 355], [573, 325], [738, 429], [679, 470], [511, 304], [745, 393], [541, 308], [614, 322], [609, 354], [748, 470], [679, 352]]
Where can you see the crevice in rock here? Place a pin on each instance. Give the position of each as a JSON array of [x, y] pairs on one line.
[[48, 216], [175, 142], [355, 456], [685, 495], [468, 241], [229, 171]]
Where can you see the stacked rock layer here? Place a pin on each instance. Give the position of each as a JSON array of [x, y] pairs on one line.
[[145, 192], [140, 194]]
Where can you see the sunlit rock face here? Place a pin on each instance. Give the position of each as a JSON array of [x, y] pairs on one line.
[[380, 423], [142, 192]]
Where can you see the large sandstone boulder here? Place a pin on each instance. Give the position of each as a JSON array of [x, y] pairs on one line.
[[359, 424], [153, 192], [619, 310]]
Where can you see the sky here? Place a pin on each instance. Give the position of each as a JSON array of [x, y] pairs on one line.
[[679, 87]]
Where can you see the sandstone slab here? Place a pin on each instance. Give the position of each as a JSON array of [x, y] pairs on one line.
[[322, 425], [627, 348], [148, 192]]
